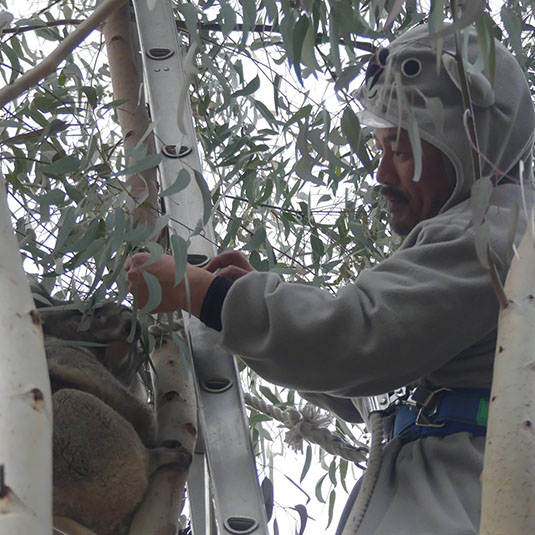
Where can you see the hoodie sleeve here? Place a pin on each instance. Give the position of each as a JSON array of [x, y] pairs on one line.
[[400, 321]]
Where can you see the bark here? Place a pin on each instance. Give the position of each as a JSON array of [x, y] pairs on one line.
[[51, 62], [26, 404], [132, 114], [508, 500], [176, 410]]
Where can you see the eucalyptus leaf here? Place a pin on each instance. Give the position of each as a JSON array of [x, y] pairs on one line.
[[54, 196], [155, 292], [179, 247], [480, 197], [155, 250], [249, 89], [351, 129], [63, 166], [206, 197], [148, 162], [181, 182]]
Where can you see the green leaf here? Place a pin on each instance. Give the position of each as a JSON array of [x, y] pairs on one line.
[[156, 251], [66, 224], [332, 501], [249, 13], [54, 196], [308, 57], [155, 292], [317, 489], [412, 127], [485, 34], [303, 517], [228, 17], [268, 494], [332, 472], [299, 34], [264, 110], [351, 129], [89, 237], [482, 243], [150, 161], [259, 237], [206, 197], [481, 193], [119, 223], [63, 166], [307, 463], [249, 89], [179, 247], [182, 182], [513, 27], [189, 11], [161, 223], [298, 115], [267, 393]]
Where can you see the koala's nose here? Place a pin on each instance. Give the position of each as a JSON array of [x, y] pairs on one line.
[[127, 318]]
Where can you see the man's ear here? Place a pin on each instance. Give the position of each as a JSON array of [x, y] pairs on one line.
[[481, 91]]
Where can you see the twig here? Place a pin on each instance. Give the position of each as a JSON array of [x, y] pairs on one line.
[[496, 282], [51, 24], [51, 62], [497, 171], [467, 101]]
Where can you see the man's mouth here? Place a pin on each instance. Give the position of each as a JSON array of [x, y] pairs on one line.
[[393, 197]]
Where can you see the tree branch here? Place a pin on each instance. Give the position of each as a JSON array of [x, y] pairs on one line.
[[44, 26], [51, 62], [132, 114]]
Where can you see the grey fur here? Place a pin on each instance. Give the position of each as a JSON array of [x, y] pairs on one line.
[[104, 429]]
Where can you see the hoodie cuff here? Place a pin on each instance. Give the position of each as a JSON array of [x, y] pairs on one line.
[[212, 304]]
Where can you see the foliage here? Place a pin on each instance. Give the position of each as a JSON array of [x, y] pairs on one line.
[[290, 167]]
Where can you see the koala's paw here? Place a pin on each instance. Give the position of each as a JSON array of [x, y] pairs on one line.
[[169, 452]]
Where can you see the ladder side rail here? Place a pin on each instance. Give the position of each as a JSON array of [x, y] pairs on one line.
[[237, 497]]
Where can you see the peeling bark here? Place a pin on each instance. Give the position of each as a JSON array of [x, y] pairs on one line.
[[133, 117], [176, 411]]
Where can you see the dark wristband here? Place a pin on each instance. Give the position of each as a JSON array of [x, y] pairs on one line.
[[213, 302]]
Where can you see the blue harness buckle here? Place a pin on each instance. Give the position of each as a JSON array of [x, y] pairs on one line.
[[429, 408], [441, 412]]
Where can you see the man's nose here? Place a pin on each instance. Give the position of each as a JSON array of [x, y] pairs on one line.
[[386, 172]]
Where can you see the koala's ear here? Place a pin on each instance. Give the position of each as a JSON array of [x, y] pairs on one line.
[[40, 295]]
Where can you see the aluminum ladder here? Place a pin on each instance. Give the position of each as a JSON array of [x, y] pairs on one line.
[[223, 488]]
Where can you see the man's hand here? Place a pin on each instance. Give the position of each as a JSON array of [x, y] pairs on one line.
[[173, 296], [230, 264]]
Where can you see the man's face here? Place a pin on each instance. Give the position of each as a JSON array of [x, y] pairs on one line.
[[410, 202]]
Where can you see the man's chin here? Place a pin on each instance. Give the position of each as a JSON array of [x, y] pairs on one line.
[[400, 227]]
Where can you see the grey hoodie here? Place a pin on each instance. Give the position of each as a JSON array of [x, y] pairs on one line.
[[426, 314], [429, 311]]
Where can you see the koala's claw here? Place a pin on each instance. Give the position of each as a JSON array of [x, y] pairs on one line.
[[170, 452]]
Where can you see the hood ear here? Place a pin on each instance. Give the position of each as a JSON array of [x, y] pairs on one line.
[[481, 91]]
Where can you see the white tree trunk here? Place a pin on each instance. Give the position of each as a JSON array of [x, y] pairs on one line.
[[26, 404], [176, 410], [508, 506]]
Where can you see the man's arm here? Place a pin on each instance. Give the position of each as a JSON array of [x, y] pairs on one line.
[[207, 286]]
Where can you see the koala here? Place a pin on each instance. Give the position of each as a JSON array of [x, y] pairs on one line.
[[104, 448]]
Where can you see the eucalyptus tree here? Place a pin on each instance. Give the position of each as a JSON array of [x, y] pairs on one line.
[[290, 168]]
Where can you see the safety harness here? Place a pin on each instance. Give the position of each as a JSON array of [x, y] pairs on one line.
[[442, 412], [423, 412]]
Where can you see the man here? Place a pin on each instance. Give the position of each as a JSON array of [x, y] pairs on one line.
[[425, 317]]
